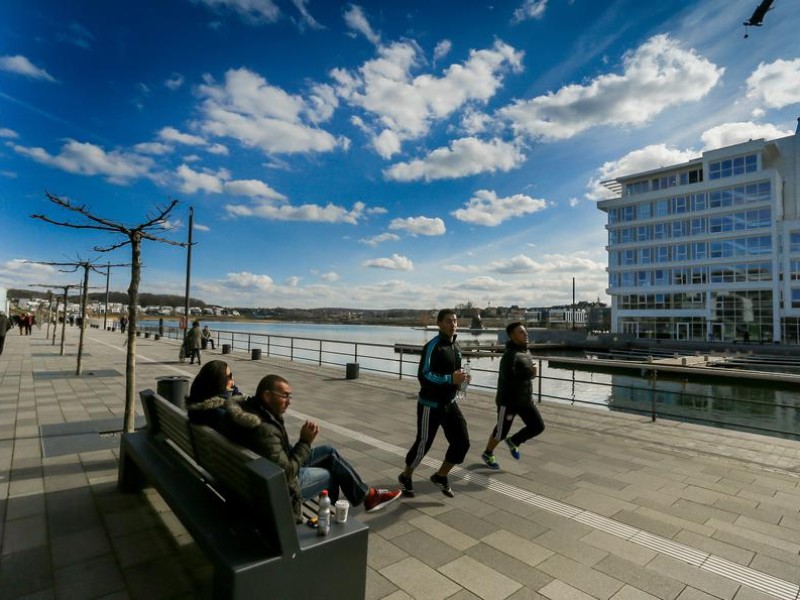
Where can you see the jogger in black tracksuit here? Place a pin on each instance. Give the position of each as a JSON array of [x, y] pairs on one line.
[[439, 376]]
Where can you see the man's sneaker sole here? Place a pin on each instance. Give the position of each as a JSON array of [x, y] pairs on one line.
[[513, 449], [386, 502], [406, 486], [490, 461], [444, 486]]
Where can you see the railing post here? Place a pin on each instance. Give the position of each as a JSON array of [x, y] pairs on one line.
[[539, 400], [355, 357], [248, 342], [400, 368], [320, 353], [268, 344], [653, 398], [291, 349]]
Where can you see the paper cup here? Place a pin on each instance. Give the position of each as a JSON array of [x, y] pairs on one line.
[[342, 506]]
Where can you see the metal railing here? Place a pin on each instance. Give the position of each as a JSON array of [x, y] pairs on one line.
[[388, 360]]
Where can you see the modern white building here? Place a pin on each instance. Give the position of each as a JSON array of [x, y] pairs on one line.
[[709, 249]]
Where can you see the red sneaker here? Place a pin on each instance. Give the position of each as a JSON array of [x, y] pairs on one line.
[[377, 499]]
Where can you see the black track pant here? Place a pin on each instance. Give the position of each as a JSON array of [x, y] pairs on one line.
[[534, 425], [452, 421]]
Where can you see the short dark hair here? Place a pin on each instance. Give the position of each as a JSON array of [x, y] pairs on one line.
[[512, 326], [443, 313], [210, 381], [267, 384]]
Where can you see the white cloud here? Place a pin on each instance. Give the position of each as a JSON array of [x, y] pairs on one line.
[[329, 213], [485, 208], [330, 276], [530, 9], [87, 159], [252, 188], [377, 210], [407, 105], [355, 19], [441, 50], [218, 149], [643, 159], [22, 66], [194, 181], [293, 281], [654, 78], [776, 84], [550, 263], [728, 134], [199, 227], [395, 263], [307, 19], [247, 280], [573, 202], [485, 283], [419, 225], [460, 268], [175, 81], [8, 133], [465, 157], [156, 148], [170, 134], [247, 108], [254, 12], [379, 239]]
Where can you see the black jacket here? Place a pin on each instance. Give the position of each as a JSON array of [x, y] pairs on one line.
[[515, 377], [440, 358]]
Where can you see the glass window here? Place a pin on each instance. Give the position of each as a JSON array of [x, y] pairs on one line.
[[698, 202], [644, 233], [679, 229], [626, 278], [660, 277], [698, 226], [680, 205], [794, 241], [796, 298], [699, 251], [698, 275], [680, 252], [645, 256], [642, 278], [794, 270], [660, 231], [645, 210], [625, 236], [629, 212], [662, 207], [629, 257], [662, 254]]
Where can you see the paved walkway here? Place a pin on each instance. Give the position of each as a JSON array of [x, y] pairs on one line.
[[602, 505]]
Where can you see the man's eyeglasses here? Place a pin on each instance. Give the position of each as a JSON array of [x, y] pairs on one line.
[[285, 395]]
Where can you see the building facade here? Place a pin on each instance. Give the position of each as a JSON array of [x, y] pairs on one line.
[[709, 249]]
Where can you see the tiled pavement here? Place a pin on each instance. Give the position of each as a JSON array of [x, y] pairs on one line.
[[602, 505]]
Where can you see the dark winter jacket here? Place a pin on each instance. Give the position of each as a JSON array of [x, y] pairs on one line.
[[515, 377], [193, 339], [440, 358]]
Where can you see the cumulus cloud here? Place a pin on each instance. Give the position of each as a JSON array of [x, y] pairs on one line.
[[247, 280], [253, 188], [441, 50], [728, 134], [218, 149], [195, 181], [419, 225], [306, 19], [550, 263], [170, 134], [22, 66], [8, 133], [530, 9], [379, 239], [654, 78], [253, 12], [330, 276], [156, 148], [485, 208], [247, 108], [464, 157], [175, 81], [330, 213], [643, 159], [776, 84], [199, 227], [88, 159], [404, 105], [355, 19], [395, 263], [485, 283]]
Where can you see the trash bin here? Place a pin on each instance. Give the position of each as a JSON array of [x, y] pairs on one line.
[[226, 348], [146, 334], [351, 371], [255, 354], [173, 388], [156, 337]]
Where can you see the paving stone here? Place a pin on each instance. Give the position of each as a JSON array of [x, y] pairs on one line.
[[631, 593], [702, 580], [419, 580], [571, 547], [641, 578], [689, 593], [619, 547], [583, 578], [443, 532], [382, 552], [79, 546], [511, 567], [24, 534], [378, 587], [25, 572], [518, 547], [558, 590], [426, 548], [479, 579], [715, 547]]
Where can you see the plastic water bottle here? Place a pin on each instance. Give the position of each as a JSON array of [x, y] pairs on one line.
[[324, 514], [461, 394]]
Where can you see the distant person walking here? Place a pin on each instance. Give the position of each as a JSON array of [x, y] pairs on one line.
[[5, 325], [439, 375], [514, 397], [192, 342], [123, 323]]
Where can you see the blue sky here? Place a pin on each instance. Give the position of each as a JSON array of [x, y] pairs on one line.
[[370, 154]]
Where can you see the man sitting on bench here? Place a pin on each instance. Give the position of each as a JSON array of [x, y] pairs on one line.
[[257, 423]]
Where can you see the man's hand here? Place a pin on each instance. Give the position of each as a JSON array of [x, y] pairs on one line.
[[459, 377], [308, 432]]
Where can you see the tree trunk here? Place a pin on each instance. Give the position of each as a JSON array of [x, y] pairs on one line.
[[64, 322], [130, 363], [84, 296]]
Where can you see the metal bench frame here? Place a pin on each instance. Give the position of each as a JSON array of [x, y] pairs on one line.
[[236, 506]]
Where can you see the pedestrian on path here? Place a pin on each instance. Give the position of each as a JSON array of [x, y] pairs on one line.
[[192, 341], [5, 325], [440, 376], [514, 397]]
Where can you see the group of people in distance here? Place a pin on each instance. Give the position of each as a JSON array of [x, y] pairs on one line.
[[256, 422]]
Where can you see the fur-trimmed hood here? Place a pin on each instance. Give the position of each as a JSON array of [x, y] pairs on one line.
[[236, 407]]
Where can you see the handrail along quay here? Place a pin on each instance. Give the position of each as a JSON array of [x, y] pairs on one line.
[[650, 392]]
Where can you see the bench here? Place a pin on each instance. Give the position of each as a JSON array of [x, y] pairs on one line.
[[236, 506]]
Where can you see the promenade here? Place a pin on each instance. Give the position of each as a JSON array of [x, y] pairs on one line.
[[602, 505]]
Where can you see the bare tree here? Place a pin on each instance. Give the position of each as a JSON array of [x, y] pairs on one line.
[[134, 236], [66, 289]]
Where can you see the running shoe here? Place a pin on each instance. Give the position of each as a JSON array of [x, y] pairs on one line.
[[406, 485], [513, 448], [443, 484], [377, 499], [490, 461]]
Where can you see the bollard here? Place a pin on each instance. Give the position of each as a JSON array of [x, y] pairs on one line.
[[351, 371], [146, 334], [226, 348], [173, 388], [255, 354], [156, 337]]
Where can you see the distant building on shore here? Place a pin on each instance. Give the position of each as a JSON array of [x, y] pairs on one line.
[[709, 249]]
